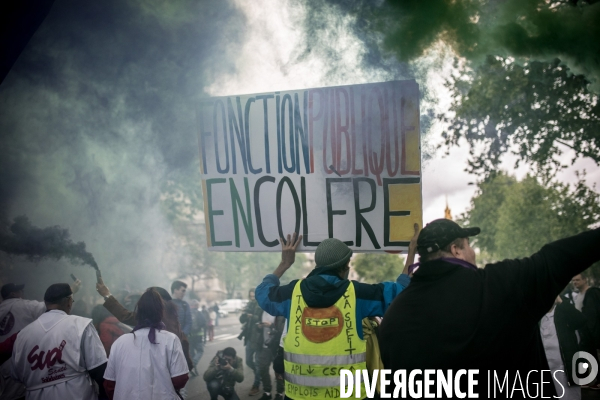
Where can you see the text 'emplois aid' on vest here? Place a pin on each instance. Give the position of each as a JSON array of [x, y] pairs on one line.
[[339, 162]]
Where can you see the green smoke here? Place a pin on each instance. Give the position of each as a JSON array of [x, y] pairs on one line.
[[529, 29]]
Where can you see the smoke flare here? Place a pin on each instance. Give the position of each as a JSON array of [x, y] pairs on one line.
[[51, 242]]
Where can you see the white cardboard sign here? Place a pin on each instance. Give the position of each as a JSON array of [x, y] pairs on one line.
[[339, 162]]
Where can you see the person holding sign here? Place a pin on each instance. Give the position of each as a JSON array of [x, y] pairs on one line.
[[324, 311]]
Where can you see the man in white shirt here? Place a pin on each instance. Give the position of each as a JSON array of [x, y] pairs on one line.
[[15, 314], [58, 355], [581, 285]]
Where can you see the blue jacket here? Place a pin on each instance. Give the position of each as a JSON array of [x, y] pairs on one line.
[[185, 316], [323, 290]]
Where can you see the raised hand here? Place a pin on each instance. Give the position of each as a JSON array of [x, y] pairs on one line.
[[288, 249], [75, 286], [101, 288], [288, 253]]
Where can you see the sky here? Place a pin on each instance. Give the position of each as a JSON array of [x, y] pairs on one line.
[[270, 63], [97, 115]]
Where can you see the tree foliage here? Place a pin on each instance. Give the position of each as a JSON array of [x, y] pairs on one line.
[[534, 110], [472, 29], [379, 267], [518, 217], [241, 271]]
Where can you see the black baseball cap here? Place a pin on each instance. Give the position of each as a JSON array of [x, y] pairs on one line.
[[57, 292], [440, 233], [9, 288]]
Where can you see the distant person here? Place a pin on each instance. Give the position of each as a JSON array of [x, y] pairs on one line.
[[56, 355], [81, 309], [197, 335], [212, 316], [225, 370], [581, 285], [276, 346], [108, 326], [15, 314], [178, 290], [131, 300], [588, 302], [216, 310], [264, 354], [206, 315], [455, 316], [558, 329], [252, 334]]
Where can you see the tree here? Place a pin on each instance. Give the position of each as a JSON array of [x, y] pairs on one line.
[[518, 217], [246, 270], [181, 201], [532, 109], [378, 267], [472, 29]]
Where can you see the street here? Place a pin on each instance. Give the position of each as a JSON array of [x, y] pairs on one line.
[[225, 336]]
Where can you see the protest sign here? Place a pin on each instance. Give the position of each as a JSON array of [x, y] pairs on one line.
[[339, 162]]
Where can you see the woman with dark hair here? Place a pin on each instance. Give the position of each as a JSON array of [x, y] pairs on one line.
[[149, 363], [170, 318]]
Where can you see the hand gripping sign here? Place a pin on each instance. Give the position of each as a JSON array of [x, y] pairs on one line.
[[339, 162]]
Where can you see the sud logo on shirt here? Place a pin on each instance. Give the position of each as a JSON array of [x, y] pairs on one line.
[[53, 356]]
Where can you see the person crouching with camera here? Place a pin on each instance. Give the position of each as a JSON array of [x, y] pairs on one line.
[[224, 371]]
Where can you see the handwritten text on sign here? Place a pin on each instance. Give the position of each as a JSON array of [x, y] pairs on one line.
[[339, 162]]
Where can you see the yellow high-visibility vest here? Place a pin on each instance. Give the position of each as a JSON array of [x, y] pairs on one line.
[[319, 343]]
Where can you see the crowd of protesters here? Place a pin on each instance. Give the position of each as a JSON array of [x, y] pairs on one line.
[[56, 353], [443, 313]]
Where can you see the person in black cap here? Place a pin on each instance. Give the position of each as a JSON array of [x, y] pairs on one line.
[[456, 316], [56, 355], [15, 314], [324, 313]]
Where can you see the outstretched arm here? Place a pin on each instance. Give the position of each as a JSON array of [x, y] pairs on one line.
[[537, 280], [113, 306]]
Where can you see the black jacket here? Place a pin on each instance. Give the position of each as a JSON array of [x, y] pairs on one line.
[[567, 320], [451, 317], [252, 334], [591, 309]]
